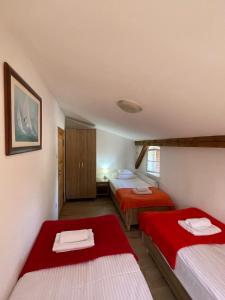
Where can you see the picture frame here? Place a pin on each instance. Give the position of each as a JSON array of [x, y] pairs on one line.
[[23, 114]]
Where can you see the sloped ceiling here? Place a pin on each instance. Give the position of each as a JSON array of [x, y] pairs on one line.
[[167, 55]]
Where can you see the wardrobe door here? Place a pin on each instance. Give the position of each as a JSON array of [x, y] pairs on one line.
[[90, 163], [80, 163], [73, 165], [82, 190]]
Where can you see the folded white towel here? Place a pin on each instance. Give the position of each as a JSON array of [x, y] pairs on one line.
[[74, 236], [198, 222], [143, 192], [64, 247], [142, 189], [200, 230]]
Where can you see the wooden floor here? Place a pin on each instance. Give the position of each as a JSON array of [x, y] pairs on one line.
[[102, 206]]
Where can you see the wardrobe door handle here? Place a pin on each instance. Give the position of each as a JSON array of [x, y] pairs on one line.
[[79, 165], [82, 164]]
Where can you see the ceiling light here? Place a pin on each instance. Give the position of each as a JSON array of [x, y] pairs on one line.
[[129, 106]]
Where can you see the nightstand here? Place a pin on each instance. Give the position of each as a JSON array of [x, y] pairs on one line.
[[102, 187]]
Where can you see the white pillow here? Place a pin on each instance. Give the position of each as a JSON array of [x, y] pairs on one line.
[[126, 176], [125, 172]]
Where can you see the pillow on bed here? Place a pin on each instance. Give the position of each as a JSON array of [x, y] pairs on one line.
[[125, 172], [126, 176]]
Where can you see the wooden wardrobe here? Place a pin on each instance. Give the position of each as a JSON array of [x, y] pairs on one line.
[[80, 163]]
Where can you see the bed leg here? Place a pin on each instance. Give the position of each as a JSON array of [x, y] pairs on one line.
[[128, 227], [127, 220]]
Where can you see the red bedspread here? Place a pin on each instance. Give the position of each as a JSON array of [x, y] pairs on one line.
[[170, 237], [128, 199], [108, 235]]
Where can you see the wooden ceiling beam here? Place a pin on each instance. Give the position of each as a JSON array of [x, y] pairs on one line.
[[141, 156], [217, 141]]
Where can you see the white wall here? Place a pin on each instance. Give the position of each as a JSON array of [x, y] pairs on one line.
[[28, 184], [195, 177], [114, 152]]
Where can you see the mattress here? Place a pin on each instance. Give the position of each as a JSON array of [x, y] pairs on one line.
[[115, 277], [116, 184], [201, 270]]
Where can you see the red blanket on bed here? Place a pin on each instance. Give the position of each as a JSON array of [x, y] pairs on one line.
[[108, 235], [170, 237], [128, 199]]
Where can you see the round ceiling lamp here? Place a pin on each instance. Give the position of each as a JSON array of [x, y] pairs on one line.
[[129, 106]]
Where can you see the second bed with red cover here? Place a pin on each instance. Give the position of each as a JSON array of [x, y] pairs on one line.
[[170, 237]]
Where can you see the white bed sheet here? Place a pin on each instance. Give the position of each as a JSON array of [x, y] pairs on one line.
[[116, 277], [116, 184], [201, 270]]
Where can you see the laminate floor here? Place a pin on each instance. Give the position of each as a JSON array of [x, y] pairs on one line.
[[102, 206]]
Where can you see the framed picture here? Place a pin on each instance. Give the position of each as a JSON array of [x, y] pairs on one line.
[[23, 114]]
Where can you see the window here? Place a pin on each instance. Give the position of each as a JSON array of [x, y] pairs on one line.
[[153, 160]]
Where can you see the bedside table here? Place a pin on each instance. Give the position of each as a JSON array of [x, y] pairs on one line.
[[102, 187]]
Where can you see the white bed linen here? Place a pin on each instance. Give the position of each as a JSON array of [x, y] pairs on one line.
[[201, 270], [116, 184], [116, 277]]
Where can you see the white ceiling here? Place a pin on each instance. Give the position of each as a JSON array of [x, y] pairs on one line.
[[167, 55]]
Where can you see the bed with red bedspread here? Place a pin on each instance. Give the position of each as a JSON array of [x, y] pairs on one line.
[[108, 270], [109, 240], [128, 199], [170, 237], [130, 204], [192, 265]]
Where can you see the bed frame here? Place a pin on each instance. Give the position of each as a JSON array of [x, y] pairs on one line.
[[174, 283], [130, 217]]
